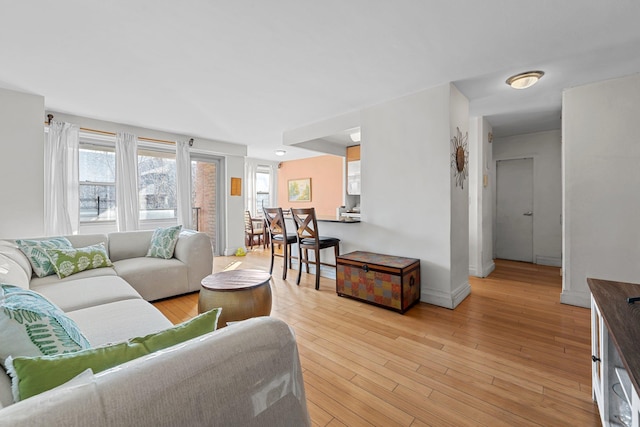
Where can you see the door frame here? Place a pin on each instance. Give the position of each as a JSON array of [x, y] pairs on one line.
[[494, 188], [221, 223]]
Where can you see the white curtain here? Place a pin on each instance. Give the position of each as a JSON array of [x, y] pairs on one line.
[[61, 209], [183, 179], [250, 186], [127, 181], [273, 186]]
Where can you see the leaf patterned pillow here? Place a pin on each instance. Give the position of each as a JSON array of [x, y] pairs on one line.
[[31, 325], [35, 250], [163, 242], [70, 261]]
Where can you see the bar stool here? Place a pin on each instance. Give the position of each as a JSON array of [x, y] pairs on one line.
[[308, 238], [274, 221]]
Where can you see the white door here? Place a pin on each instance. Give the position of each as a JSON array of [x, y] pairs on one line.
[[514, 209]]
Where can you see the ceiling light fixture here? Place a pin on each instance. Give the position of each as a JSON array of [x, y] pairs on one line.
[[525, 80], [280, 153], [355, 136]]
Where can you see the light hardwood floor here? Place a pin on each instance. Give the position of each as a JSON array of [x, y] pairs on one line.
[[509, 355]]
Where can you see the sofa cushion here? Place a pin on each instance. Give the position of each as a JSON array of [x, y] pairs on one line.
[[10, 250], [34, 375], [82, 240], [72, 295], [68, 261], [35, 252], [12, 273], [154, 278], [30, 325], [129, 244], [119, 321], [6, 398], [39, 281], [163, 242]]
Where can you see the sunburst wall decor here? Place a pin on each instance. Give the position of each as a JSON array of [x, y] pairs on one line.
[[460, 157]]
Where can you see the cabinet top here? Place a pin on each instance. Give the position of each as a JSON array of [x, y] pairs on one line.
[[353, 153], [622, 320]]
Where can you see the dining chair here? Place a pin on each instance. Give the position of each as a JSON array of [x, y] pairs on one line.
[[277, 230], [252, 232], [308, 238]]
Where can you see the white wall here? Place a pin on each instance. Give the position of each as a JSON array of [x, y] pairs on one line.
[[480, 199], [601, 154], [487, 203], [234, 206], [409, 205], [406, 184], [21, 164], [200, 144], [459, 121], [545, 149]]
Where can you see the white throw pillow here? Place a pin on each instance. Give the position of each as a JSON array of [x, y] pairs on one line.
[[163, 242], [31, 325], [35, 250]]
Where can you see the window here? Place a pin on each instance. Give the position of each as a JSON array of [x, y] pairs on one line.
[[97, 176], [157, 184], [263, 180]]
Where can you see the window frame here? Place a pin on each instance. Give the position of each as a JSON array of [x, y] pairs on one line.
[[95, 143], [108, 143], [265, 170], [166, 152]]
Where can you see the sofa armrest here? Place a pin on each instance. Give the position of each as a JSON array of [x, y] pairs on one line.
[[247, 374], [194, 249]]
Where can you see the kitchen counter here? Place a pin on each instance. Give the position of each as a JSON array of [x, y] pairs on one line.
[[327, 218], [334, 219], [330, 226]]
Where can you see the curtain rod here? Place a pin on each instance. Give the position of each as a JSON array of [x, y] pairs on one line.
[[104, 132]]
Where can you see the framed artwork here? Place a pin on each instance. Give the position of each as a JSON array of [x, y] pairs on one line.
[[299, 190]]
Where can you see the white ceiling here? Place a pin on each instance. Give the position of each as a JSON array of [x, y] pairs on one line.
[[246, 71]]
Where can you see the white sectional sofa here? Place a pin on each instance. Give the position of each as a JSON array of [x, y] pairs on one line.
[[152, 278], [247, 374]]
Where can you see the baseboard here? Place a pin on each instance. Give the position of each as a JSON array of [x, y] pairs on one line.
[[473, 271], [325, 270], [551, 261], [488, 269], [484, 272], [580, 299], [444, 299]]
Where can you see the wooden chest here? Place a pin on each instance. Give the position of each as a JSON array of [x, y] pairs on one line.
[[384, 280]]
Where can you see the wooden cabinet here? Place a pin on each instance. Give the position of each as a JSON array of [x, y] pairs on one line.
[[353, 153], [353, 170], [615, 344]]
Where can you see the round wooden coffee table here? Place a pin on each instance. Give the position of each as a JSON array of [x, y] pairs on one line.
[[241, 294]]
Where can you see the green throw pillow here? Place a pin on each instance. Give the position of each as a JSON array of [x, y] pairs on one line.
[[34, 375], [30, 325], [35, 252], [69, 261], [163, 242]]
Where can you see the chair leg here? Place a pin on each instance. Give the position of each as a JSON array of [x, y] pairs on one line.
[[306, 254], [272, 258], [317, 254], [300, 261], [336, 250], [285, 255], [290, 265]]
